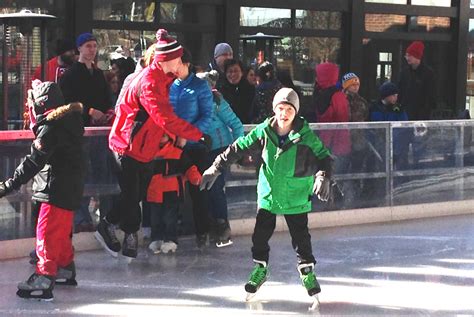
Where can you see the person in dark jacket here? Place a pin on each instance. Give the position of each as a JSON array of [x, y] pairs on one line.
[[222, 52], [264, 92], [389, 109], [237, 90], [417, 84], [85, 83], [144, 114], [56, 164]]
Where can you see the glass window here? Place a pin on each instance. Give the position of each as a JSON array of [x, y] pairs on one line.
[[470, 68], [437, 3], [472, 3], [384, 22], [429, 24], [322, 20], [113, 44], [266, 17], [171, 12], [187, 13], [124, 10], [297, 56], [388, 1]]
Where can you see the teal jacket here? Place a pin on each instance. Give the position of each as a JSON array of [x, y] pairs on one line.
[[286, 177], [225, 125]]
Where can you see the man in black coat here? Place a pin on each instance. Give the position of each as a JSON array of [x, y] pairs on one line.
[[417, 84]]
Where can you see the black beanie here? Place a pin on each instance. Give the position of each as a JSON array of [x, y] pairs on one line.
[[64, 45], [388, 89]]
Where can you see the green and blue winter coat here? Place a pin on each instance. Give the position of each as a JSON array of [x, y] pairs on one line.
[[286, 176]]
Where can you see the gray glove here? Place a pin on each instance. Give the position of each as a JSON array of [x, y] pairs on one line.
[[322, 186], [209, 178], [6, 187]]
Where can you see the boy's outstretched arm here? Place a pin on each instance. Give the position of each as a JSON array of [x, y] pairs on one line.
[[232, 154]]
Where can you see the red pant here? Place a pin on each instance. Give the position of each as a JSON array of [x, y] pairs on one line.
[[53, 239]]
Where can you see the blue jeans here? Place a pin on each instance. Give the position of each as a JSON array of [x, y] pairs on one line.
[[217, 197], [164, 221]]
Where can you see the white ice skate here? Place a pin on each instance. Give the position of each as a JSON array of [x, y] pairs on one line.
[[224, 243], [168, 246], [315, 306], [155, 246]]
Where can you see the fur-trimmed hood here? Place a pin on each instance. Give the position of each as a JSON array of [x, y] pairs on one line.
[[68, 117], [62, 111]]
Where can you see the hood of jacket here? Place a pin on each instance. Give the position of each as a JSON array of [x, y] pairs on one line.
[[327, 75], [67, 116]]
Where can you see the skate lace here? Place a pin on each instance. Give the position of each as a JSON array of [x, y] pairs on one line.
[[309, 280], [131, 240], [258, 275], [111, 232]]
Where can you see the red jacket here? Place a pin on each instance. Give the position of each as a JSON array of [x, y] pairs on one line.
[[332, 106], [168, 182], [144, 114], [53, 71]]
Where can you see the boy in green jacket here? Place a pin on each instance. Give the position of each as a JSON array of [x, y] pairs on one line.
[[295, 166]]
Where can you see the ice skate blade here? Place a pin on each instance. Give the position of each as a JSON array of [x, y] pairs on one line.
[[222, 244], [44, 296], [99, 238], [169, 251], [66, 282], [128, 259], [315, 306], [249, 296]]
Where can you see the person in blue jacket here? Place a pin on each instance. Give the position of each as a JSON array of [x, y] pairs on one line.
[[226, 127], [389, 109], [192, 101]]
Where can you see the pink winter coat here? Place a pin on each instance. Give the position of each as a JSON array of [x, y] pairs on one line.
[[331, 106]]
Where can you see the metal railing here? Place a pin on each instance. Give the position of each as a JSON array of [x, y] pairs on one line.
[[438, 165]]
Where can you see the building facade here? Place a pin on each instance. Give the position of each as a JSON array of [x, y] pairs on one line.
[[368, 37]]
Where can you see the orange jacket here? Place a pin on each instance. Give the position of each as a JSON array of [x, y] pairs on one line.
[[173, 168]]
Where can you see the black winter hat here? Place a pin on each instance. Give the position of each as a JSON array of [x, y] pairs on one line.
[[45, 95], [64, 45], [266, 71], [388, 89]]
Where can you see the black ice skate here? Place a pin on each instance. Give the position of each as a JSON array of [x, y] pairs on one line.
[[67, 275], [38, 287], [105, 234], [223, 238], [130, 246]]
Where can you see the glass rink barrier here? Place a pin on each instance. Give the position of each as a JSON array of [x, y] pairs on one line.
[[388, 164]]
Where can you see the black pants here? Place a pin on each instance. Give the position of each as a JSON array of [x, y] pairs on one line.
[[300, 237], [200, 157], [133, 178]]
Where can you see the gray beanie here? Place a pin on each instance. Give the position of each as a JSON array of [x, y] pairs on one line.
[[221, 49], [211, 77], [288, 96]]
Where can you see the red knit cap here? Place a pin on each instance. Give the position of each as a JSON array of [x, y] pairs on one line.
[[167, 48], [416, 49]]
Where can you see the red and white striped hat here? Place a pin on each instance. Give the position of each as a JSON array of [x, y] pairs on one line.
[[167, 48]]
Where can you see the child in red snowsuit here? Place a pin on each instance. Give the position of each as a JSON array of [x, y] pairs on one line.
[[172, 168]]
